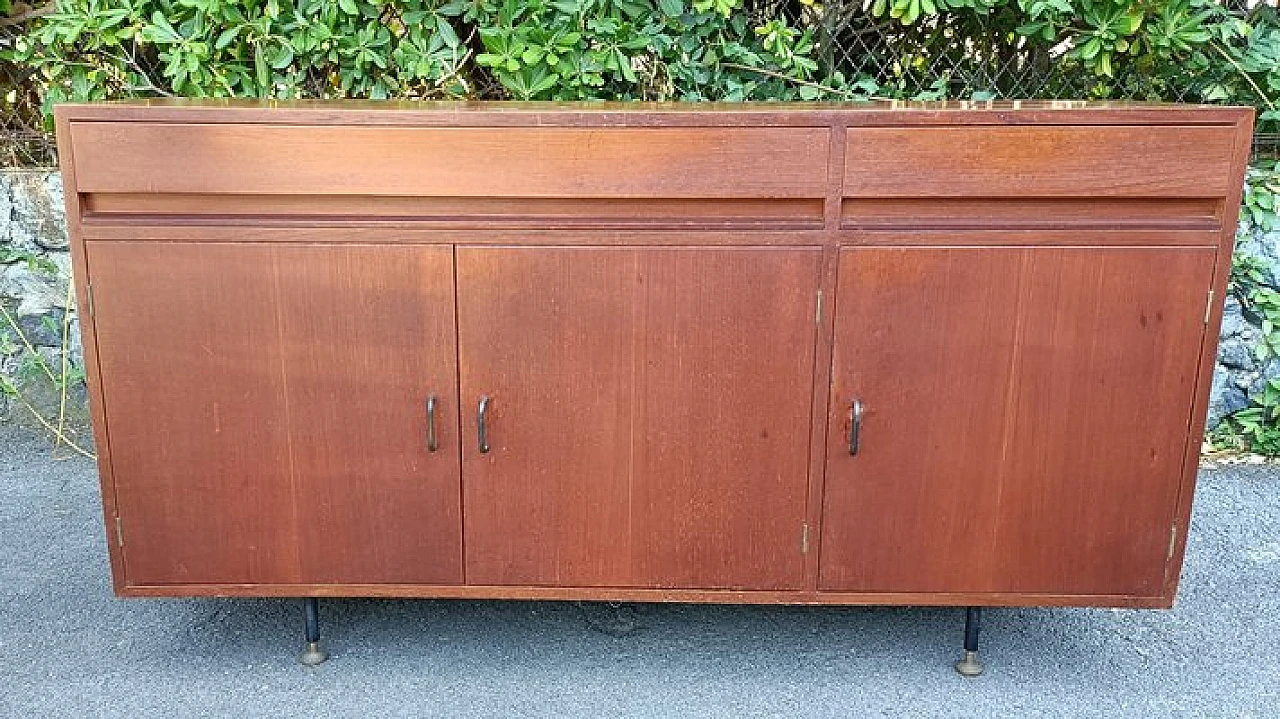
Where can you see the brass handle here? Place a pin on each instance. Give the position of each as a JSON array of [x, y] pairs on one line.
[[855, 425], [432, 442], [482, 430]]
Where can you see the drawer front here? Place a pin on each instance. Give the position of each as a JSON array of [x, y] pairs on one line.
[[540, 162], [1039, 161]]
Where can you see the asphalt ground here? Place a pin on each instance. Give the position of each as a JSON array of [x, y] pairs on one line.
[[68, 648]]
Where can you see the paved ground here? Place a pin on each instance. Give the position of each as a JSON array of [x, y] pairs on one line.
[[69, 649]]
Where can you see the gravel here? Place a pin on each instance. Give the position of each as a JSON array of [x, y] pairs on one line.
[[69, 648]]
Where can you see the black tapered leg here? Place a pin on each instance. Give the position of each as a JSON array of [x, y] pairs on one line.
[[969, 666], [313, 654]]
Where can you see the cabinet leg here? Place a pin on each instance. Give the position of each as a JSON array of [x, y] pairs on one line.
[[313, 654], [969, 666]]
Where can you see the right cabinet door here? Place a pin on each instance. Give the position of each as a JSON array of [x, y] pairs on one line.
[[1023, 417]]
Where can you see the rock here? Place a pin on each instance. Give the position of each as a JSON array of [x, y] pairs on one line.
[[1269, 372], [36, 291], [1233, 321], [44, 330], [1242, 379], [6, 208], [1267, 246], [1224, 398], [1235, 354], [37, 218]]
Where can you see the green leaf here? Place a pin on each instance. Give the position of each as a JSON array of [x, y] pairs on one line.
[[1090, 49], [283, 56], [263, 71], [446, 32], [226, 37]]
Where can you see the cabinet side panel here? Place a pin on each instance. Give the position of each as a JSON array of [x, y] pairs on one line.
[[93, 382], [1209, 351]]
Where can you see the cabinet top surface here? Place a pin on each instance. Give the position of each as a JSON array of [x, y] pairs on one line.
[[874, 112]]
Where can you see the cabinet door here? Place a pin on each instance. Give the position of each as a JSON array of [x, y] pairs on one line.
[[266, 411], [1024, 421], [649, 414]]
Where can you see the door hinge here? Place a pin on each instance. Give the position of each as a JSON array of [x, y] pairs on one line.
[[1173, 542], [119, 533], [88, 291], [817, 317], [1208, 308], [804, 538]]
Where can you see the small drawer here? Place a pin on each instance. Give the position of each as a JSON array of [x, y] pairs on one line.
[[535, 162], [1105, 161]]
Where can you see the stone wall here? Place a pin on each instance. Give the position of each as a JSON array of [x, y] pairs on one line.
[[1239, 373], [34, 270], [34, 266]]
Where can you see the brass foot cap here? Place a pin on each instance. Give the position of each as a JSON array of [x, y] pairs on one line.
[[313, 655], [969, 666]]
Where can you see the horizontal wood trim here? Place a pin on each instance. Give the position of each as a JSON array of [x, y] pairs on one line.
[[653, 114], [1039, 162], [415, 233], [916, 213], [461, 212], [1032, 238], [451, 162], [695, 596]]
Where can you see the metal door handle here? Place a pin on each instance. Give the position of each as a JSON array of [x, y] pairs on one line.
[[482, 430], [432, 443], [855, 425]]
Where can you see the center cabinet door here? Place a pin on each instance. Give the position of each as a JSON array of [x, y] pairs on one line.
[[1023, 417], [648, 414], [266, 406]]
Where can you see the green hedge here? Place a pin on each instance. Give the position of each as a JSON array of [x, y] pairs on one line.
[[641, 49]]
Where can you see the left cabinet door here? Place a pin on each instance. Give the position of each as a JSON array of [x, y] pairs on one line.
[[267, 411]]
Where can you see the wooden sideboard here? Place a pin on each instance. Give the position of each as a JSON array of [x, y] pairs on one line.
[[893, 353]]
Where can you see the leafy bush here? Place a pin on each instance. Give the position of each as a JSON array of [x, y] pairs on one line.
[[648, 49], [523, 49]]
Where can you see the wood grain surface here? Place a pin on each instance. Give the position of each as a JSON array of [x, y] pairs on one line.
[[452, 162], [267, 415], [670, 307], [1039, 161], [650, 415], [1025, 417]]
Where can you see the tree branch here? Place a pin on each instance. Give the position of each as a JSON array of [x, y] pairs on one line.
[[30, 13]]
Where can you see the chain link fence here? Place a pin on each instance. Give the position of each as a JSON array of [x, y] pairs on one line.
[[980, 57], [23, 139]]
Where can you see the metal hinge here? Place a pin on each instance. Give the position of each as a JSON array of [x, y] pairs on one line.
[[88, 291], [1208, 308], [817, 317], [119, 533], [1173, 541], [804, 538]]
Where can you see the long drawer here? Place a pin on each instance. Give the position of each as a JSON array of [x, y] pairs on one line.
[[536, 162]]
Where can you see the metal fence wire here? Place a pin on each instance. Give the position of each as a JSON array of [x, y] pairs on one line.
[[973, 56], [948, 55], [23, 139]]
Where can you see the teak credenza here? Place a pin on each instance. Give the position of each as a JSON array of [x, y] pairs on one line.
[[894, 353]]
